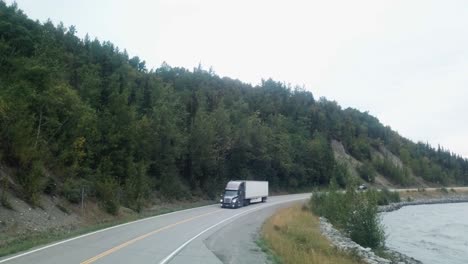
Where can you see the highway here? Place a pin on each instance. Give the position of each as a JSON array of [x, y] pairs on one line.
[[205, 234]]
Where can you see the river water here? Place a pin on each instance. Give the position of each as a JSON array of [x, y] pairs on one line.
[[433, 234]]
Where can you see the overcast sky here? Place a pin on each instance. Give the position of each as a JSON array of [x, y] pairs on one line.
[[406, 62]]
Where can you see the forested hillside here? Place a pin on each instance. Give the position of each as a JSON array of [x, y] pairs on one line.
[[81, 113]]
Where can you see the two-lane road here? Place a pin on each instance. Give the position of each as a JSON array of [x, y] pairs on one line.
[[170, 238]]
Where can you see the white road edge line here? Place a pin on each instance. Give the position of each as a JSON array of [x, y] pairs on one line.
[[98, 231], [170, 256]]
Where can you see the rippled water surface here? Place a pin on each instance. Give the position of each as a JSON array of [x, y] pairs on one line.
[[434, 234]]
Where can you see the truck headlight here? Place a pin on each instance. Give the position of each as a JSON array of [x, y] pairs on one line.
[[234, 200], [221, 200]]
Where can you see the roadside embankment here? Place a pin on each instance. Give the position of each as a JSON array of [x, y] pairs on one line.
[[296, 235], [288, 233], [23, 227], [293, 235]]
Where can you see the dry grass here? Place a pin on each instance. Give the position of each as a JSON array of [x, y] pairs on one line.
[[294, 236]]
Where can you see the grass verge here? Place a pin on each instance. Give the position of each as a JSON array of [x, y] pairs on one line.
[[29, 240], [292, 235]]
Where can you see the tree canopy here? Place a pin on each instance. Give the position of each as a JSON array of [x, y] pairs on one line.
[[79, 112]]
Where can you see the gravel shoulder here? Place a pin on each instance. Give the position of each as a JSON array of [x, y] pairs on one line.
[[236, 242]]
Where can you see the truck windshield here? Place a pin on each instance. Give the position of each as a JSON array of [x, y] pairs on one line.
[[230, 193]]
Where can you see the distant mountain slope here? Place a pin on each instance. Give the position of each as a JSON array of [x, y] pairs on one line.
[[80, 113]]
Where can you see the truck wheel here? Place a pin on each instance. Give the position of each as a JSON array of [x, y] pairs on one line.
[[246, 202], [264, 199]]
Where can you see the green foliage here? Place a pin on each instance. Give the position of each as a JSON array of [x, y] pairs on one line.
[[82, 110], [108, 192], [360, 148], [341, 174], [393, 172], [355, 213], [31, 182], [72, 189], [4, 201], [137, 188], [385, 197], [364, 225], [367, 171], [50, 187]]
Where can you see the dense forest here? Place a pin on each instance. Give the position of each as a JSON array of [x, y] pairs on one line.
[[80, 113]]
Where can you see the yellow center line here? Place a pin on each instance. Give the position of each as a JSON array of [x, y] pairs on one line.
[[114, 249]]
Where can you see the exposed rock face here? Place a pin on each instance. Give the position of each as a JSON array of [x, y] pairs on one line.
[[345, 244], [340, 155]]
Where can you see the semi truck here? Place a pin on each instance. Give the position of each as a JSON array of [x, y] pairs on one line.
[[241, 193]]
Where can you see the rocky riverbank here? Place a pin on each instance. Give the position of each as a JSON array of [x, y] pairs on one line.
[[450, 199], [343, 243]]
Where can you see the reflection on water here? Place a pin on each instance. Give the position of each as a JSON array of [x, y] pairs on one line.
[[433, 234]]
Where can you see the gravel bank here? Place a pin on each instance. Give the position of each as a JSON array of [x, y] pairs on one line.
[[396, 206], [344, 243]]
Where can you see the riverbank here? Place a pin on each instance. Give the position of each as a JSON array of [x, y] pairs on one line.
[[296, 235], [345, 244], [342, 244], [422, 196]]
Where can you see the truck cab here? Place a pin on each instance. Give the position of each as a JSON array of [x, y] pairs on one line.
[[234, 194]]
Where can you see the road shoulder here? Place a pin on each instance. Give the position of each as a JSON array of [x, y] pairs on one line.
[[236, 242]]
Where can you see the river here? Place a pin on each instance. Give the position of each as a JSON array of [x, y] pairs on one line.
[[433, 234]]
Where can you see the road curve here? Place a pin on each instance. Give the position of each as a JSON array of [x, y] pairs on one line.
[[170, 238]]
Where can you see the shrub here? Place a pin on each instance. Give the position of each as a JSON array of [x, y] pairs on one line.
[[30, 180], [4, 198], [363, 224], [6, 203], [137, 188], [331, 204], [385, 196], [171, 187], [72, 189], [50, 186], [341, 174], [107, 189], [355, 213], [444, 190], [397, 174], [367, 172]]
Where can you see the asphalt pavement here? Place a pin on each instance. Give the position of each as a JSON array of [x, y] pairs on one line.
[[207, 234]]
